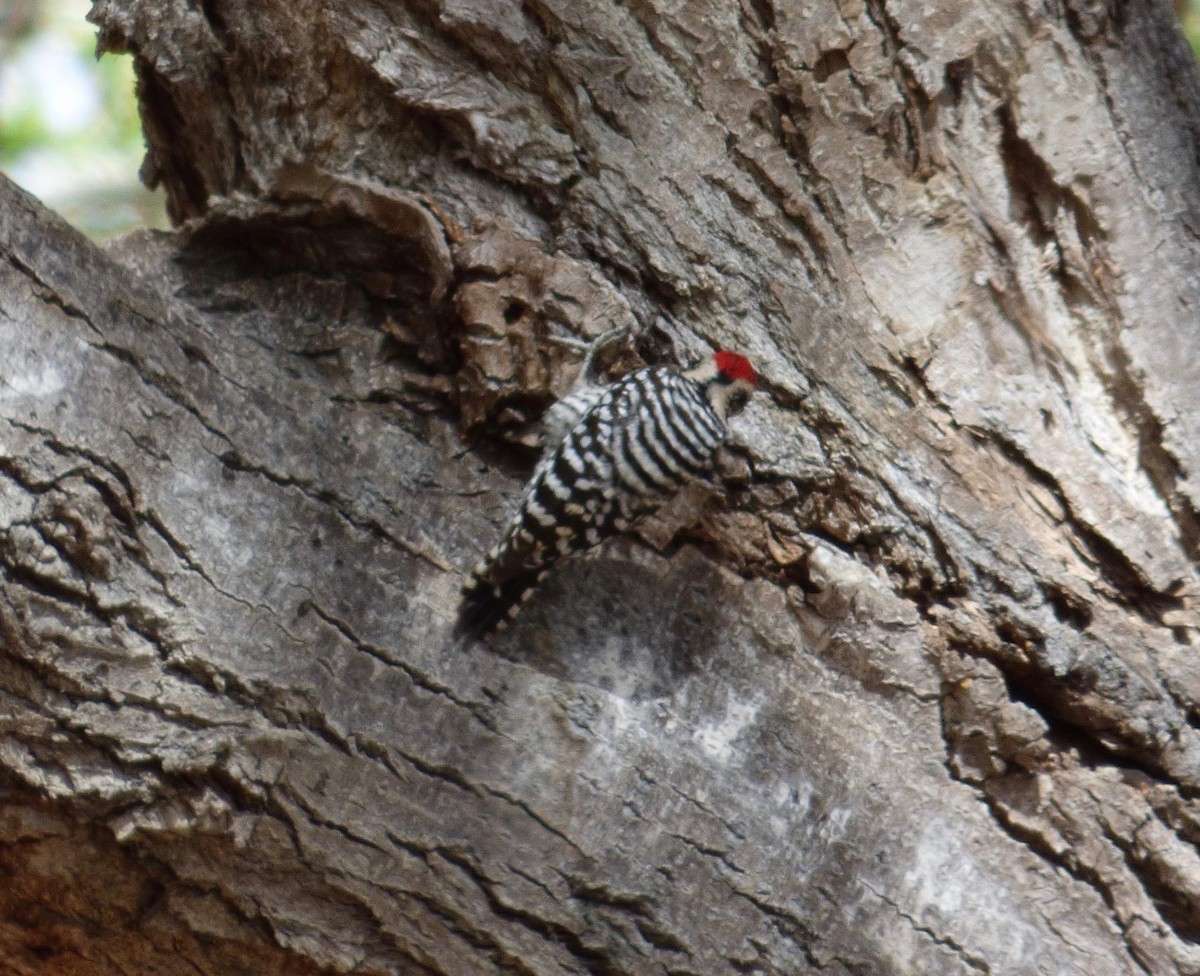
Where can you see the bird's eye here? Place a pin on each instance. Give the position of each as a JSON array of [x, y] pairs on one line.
[[737, 401]]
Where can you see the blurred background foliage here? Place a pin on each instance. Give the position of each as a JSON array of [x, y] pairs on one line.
[[69, 130], [1189, 16]]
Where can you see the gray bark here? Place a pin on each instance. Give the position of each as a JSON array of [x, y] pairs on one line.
[[917, 693]]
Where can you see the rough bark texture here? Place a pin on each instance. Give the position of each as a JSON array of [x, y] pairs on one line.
[[918, 695]]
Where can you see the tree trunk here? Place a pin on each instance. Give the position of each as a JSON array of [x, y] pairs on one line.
[[917, 693]]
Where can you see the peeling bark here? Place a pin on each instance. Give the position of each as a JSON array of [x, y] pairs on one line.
[[917, 694]]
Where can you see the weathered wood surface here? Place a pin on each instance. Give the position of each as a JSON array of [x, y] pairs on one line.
[[919, 696]]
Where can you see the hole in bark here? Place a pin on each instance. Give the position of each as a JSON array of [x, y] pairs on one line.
[[1068, 607], [1030, 179], [1019, 634], [830, 63], [513, 311], [958, 73]]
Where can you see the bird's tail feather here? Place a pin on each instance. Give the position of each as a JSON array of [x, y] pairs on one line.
[[488, 607]]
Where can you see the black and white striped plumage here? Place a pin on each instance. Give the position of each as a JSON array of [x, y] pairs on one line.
[[615, 453]]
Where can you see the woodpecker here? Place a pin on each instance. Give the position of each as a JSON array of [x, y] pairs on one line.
[[614, 453]]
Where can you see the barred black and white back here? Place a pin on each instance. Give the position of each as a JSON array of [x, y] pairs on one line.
[[618, 453]]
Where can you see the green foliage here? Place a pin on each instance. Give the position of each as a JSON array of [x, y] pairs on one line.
[[1189, 16], [69, 128], [23, 131]]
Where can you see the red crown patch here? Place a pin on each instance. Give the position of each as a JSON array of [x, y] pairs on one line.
[[735, 366]]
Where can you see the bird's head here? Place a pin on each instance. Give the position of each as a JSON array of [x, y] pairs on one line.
[[728, 381]]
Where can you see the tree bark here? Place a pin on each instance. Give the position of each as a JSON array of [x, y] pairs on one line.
[[916, 694]]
